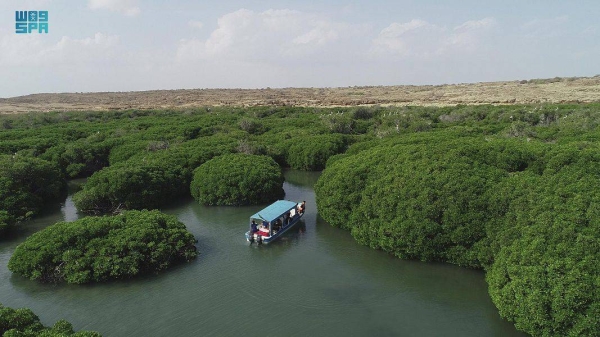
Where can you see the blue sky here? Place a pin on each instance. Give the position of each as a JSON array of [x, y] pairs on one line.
[[125, 45]]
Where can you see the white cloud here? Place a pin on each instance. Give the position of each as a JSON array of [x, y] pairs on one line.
[[267, 36], [418, 38], [35, 50], [125, 7], [468, 34]]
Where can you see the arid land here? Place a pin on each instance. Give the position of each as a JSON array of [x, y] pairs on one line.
[[555, 90]]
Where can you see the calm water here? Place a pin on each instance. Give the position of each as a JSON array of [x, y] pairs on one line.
[[316, 281]]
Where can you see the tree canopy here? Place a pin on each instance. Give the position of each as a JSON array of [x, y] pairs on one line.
[[525, 212], [507, 188], [24, 323], [26, 185], [95, 249], [238, 179]]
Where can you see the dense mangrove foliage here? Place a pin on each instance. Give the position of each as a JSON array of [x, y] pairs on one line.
[[26, 185], [525, 211], [238, 179], [95, 249], [508, 189], [24, 323]]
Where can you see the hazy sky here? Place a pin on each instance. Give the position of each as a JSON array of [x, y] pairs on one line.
[[123, 45]]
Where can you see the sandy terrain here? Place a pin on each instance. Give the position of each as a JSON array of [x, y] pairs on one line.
[[557, 90]]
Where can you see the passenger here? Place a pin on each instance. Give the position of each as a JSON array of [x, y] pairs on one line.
[[302, 207], [286, 219], [253, 227], [277, 225]]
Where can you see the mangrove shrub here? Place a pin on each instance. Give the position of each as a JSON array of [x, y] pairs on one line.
[[311, 153], [545, 276], [95, 249], [238, 179], [26, 185], [127, 186], [526, 212], [415, 201], [24, 323]]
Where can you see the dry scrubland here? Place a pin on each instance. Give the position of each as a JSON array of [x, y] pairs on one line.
[[556, 90]]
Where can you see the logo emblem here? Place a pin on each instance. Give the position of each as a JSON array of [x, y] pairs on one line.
[[27, 22]]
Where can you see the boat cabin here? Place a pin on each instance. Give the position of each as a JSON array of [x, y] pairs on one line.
[[270, 222]]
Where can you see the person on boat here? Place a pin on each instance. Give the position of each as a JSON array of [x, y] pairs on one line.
[[277, 225], [286, 218], [253, 227], [265, 224], [302, 207]]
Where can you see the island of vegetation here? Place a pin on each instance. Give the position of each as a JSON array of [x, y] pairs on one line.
[[24, 323], [238, 179], [510, 189], [95, 249]]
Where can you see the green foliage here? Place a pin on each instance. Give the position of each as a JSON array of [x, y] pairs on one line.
[[466, 184], [545, 276], [339, 123], [364, 113], [26, 185], [122, 152], [96, 249], [85, 156], [526, 212], [311, 153], [414, 201], [127, 186], [251, 126], [238, 179], [24, 323]]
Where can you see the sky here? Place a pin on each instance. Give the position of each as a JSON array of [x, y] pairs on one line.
[[131, 45]]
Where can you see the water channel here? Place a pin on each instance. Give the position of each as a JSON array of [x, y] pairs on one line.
[[316, 281]]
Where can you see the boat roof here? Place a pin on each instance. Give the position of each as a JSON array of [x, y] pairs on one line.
[[275, 210]]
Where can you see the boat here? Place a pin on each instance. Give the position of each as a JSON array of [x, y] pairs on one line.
[[273, 221]]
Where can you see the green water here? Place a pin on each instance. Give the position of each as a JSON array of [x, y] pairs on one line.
[[315, 281]]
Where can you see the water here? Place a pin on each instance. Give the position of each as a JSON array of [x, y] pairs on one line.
[[315, 281]]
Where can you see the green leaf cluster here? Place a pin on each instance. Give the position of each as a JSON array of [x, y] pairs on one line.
[[526, 212], [95, 249], [238, 179], [126, 186], [311, 153], [26, 185], [546, 271], [24, 323]]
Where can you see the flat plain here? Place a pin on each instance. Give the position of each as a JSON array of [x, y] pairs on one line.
[[555, 90]]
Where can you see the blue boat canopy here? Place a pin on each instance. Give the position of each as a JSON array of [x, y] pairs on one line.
[[275, 210]]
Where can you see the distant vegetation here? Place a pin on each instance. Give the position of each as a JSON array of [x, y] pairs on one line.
[[24, 323], [511, 189], [96, 249], [238, 179]]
